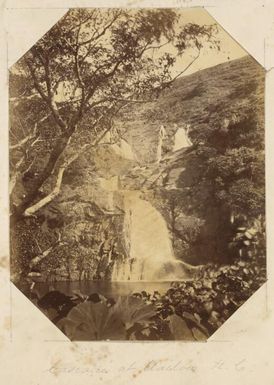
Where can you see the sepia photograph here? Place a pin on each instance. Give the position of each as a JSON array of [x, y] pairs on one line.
[[137, 174]]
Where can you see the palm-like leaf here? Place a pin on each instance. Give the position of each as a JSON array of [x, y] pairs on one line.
[[92, 321], [182, 331], [179, 329], [132, 310]]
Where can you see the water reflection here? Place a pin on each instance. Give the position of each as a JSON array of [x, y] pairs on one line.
[[106, 288]]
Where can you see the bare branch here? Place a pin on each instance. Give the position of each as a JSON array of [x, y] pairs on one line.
[[108, 75], [14, 177], [36, 82], [78, 76], [56, 190], [17, 99], [97, 36], [186, 68], [47, 99], [14, 135], [21, 143], [45, 253], [48, 79], [82, 22], [147, 47], [30, 211], [37, 206], [29, 167]]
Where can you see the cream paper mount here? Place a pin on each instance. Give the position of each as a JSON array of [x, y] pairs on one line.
[[34, 351]]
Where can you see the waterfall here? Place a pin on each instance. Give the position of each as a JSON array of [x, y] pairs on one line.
[[161, 137], [124, 149], [109, 185], [181, 139], [148, 245], [118, 144]]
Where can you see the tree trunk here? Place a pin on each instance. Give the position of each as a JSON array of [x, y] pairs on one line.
[[37, 183]]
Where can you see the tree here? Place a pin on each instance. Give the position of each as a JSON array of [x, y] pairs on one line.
[[65, 91]]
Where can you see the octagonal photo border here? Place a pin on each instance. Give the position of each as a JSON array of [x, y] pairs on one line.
[[241, 313]]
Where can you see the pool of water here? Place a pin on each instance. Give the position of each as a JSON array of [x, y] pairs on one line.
[[106, 288]]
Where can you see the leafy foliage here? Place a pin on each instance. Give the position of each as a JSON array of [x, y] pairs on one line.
[[133, 310], [107, 320], [214, 297], [190, 310], [67, 88], [223, 181], [92, 321], [64, 94]]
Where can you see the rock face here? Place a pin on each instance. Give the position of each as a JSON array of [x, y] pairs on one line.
[[155, 158]]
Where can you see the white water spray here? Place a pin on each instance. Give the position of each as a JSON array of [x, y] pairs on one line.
[[181, 139], [150, 254]]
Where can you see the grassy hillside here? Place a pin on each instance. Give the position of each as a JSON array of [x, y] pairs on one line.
[[201, 100]]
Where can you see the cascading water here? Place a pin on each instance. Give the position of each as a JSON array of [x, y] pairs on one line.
[[150, 254], [181, 139]]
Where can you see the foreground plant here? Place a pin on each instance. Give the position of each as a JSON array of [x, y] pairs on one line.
[[100, 321], [188, 311]]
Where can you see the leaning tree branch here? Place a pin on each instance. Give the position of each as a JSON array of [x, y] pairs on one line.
[[30, 211]]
